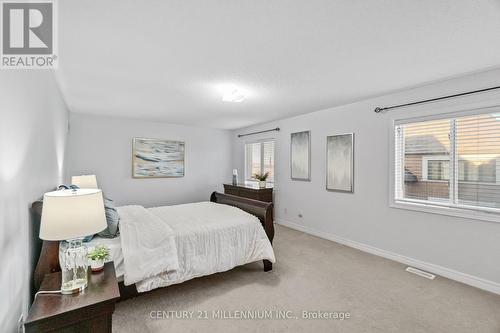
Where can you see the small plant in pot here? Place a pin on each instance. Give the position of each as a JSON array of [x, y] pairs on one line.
[[261, 177], [98, 255]]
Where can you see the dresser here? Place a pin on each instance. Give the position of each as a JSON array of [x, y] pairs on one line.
[[250, 191]]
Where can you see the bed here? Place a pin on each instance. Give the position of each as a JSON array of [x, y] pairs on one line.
[[161, 246]]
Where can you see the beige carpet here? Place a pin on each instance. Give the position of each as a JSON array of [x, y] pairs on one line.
[[313, 274]]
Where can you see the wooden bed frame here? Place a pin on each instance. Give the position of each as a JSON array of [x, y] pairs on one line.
[[47, 252]]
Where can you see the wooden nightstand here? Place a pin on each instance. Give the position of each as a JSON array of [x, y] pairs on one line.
[[89, 311]]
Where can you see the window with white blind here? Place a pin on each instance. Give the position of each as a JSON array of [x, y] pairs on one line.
[[259, 158], [452, 163]]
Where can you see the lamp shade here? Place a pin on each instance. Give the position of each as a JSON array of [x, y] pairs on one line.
[[84, 181], [69, 214]]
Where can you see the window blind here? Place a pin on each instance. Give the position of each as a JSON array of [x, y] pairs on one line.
[[451, 162], [478, 157], [259, 159], [253, 159], [268, 156]]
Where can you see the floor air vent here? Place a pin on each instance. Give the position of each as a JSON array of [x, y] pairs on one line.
[[420, 273]]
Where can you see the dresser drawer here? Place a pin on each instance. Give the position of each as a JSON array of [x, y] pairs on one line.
[[255, 193], [232, 191], [250, 194]]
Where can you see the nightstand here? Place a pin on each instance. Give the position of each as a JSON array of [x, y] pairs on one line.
[[89, 311]]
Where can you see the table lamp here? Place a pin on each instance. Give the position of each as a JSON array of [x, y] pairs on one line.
[[84, 181], [71, 215]]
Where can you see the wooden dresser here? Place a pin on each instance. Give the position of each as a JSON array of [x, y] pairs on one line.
[[250, 191]]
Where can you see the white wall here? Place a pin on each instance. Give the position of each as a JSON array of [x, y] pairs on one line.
[[467, 246], [33, 126], [103, 146]]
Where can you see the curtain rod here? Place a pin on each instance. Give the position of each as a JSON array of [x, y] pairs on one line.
[[265, 131], [379, 109]]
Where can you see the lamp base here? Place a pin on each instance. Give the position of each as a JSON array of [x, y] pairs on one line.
[[74, 287], [74, 267]]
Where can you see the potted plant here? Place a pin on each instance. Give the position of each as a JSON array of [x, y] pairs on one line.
[[97, 256], [261, 177]]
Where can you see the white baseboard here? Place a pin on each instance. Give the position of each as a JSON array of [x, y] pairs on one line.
[[436, 269]]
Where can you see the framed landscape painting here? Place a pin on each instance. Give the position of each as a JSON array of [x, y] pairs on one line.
[[157, 158], [300, 155], [340, 163]]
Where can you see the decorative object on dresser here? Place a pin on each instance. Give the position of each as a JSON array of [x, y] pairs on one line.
[[340, 163], [261, 177], [97, 256], [300, 155], [251, 191], [235, 177], [157, 158], [87, 312], [71, 215]]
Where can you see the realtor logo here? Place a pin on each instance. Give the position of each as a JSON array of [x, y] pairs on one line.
[[28, 35]]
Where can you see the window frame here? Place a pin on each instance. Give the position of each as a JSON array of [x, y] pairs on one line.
[[463, 211], [425, 167], [261, 142]]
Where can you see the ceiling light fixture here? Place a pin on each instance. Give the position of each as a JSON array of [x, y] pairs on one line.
[[233, 94]]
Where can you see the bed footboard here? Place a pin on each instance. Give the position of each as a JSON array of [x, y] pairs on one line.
[[262, 210]]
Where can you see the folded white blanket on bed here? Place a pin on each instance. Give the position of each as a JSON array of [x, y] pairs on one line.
[[148, 244]]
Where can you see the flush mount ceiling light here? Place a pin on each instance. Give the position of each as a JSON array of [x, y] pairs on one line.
[[233, 94]]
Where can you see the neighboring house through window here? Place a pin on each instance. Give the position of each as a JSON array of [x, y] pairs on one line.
[[436, 168], [453, 162]]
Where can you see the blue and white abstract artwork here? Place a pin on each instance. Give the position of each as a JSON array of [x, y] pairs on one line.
[[157, 158]]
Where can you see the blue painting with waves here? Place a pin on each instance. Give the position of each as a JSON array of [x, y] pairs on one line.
[[158, 158]]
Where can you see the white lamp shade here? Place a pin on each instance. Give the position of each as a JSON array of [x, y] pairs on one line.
[[69, 214], [84, 181]]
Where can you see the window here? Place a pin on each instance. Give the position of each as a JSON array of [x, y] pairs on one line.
[[436, 168], [259, 159], [452, 162]]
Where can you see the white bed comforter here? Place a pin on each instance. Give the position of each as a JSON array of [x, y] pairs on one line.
[[171, 244], [148, 244]]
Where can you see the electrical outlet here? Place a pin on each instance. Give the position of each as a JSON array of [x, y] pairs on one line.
[[20, 324]]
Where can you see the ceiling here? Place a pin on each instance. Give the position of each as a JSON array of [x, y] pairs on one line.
[[166, 60]]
